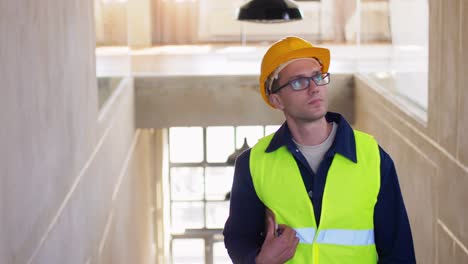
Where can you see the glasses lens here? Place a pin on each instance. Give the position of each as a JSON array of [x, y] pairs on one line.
[[300, 83], [322, 79]]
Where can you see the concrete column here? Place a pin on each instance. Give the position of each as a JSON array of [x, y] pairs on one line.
[[139, 23]]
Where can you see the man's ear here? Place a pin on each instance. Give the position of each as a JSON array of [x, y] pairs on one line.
[[275, 100]]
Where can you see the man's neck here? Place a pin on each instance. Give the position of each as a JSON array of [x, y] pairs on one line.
[[310, 133]]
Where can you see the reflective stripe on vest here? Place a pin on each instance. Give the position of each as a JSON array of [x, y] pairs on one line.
[[345, 234], [346, 237], [306, 235], [336, 236]]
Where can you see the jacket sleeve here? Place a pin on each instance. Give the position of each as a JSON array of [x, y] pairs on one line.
[[243, 231], [393, 237]]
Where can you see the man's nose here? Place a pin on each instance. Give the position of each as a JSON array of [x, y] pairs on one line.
[[313, 88]]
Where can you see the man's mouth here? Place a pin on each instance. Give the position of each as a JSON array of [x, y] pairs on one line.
[[314, 101]]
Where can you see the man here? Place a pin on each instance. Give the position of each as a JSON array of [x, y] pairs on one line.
[[327, 193]]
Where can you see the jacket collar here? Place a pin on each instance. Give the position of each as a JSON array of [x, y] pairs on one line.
[[344, 143]]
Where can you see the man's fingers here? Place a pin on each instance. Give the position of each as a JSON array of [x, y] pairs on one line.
[[293, 248], [269, 213], [288, 232], [270, 228], [289, 251], [296, 242]]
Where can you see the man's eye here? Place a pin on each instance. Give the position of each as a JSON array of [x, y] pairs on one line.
[[296, 83]]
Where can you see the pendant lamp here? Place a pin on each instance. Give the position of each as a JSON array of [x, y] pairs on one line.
[[269, 11], [232, 158]]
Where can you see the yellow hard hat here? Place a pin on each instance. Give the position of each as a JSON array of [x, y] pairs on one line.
[[287, 49]]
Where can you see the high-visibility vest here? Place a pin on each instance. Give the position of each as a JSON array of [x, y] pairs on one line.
[[346, 231]]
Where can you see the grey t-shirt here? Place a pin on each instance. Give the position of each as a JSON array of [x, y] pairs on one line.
[[314, 154]]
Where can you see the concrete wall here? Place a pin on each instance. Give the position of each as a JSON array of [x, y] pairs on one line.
[[432, 158], [218, 100], [74, 181]]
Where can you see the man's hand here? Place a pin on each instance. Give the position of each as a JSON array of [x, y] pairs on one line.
[[277, 249]]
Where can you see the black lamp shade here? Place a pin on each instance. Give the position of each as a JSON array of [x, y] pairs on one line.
[[269, 11], [232, 158]]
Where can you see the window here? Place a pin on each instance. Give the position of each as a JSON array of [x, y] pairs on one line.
[[403, 75], [200, 180]]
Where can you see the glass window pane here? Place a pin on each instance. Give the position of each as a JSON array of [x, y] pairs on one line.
[[186, 215], [220, 143], [271, 129], [216, 214], [186, 144], [188, 251], [187, 183], [218, 182], [220, 254], [252, 133]]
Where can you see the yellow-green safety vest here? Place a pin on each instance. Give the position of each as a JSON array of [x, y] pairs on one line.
[[346, 231]]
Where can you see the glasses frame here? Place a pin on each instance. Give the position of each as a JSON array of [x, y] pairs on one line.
[[324, 75]]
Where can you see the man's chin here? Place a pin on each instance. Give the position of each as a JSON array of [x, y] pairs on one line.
[[307, 115], [317, 115], [310, 118]]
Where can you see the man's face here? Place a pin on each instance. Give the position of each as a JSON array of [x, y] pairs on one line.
[[306, 105]]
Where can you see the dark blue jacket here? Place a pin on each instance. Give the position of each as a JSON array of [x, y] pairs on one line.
[[243, 232]]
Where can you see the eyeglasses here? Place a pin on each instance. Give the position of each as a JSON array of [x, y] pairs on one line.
[[302, 83]]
